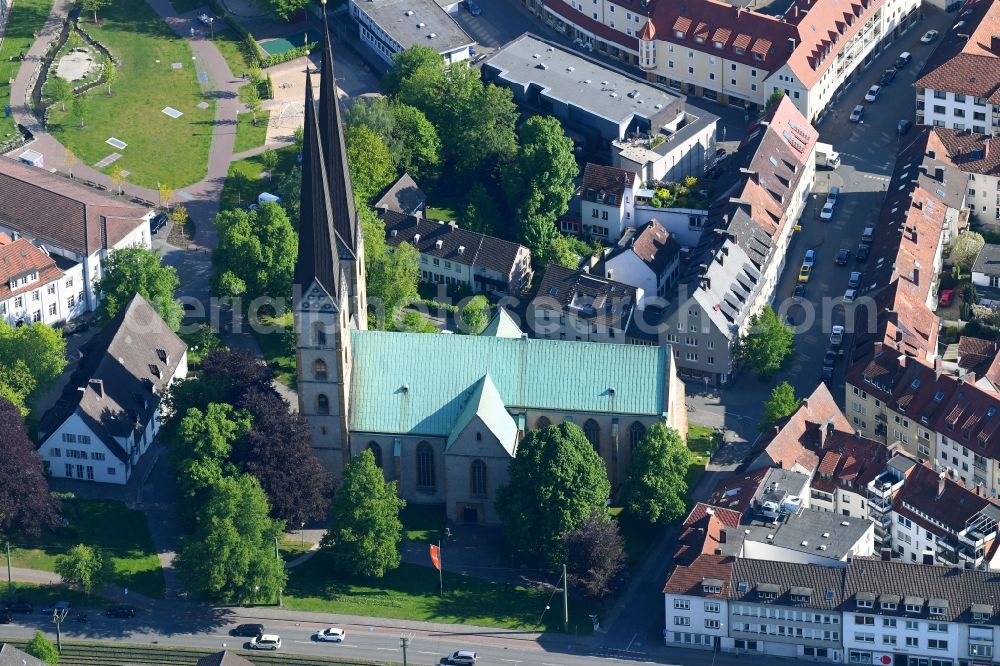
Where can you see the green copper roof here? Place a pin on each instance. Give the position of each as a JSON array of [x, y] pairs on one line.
[[486, 403], [502, 326], [418, 382]]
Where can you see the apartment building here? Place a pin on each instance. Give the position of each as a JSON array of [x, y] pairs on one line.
[[38, 287], [612, 116], [454, 256], [647, 258], [867, 612], [69, 220], [977, 156], [733, 54], [391, 26], [975, 356], [577, 305], [959, 85], [607, 202], [732, 273]]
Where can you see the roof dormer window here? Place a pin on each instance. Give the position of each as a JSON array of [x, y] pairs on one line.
[[679, 34], [700, 40]]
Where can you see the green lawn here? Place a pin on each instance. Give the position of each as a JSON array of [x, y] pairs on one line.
[[411, 593], [423, 522], [41, 596], [278, 348], [26, 18], [104, 524], [292, 547], [241, 192], [249, 135], [231, 46], [702, 441], [445, 214], [160, 149]]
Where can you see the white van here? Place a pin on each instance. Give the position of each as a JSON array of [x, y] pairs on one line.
[[463, 658], [266, 642]]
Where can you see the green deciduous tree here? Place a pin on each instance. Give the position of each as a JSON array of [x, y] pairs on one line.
[[109, 74], [539, 182], [32, 356], [251, 98], [475, 315], [405, 63], [563, 251], [42, 648], [269, 160], [774, 98], [230, 555], [95, 6], [86, 567], [419, 152], [556, 481], [366, 530], [595, 555], [28, 506], [781, 404], [79, 109], [480, 212], [17, 383], [60, 89], [136, 270], [282, 9], [412, 321], [370, 162], [259, 247], [767, 345], [966, 248], [655, 488], [539, 234], [392, 275]]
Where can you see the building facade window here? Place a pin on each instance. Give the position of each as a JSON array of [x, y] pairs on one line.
[[477, 477], [636, 432], [593, 433], [542, 422], [319, 370], [425, 467], [376, 452], [322, 404]]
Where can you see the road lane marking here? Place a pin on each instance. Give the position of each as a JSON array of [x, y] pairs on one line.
[[389, 649], [425, 652]]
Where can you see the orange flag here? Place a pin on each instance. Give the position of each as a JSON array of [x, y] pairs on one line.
[[435, 552]]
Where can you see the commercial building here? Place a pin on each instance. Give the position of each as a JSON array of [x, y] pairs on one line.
[[391, 26], [733, 54], [959, 85], [72, 223], [614, 116]]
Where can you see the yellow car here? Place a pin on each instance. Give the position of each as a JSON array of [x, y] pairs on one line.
[[804, 273]]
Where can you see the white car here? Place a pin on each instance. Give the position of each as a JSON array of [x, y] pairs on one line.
[[266, 642], [857, 113], [836, 336], [827, 212], [872, 94], [331, 635], [929, 36], [850, 295]]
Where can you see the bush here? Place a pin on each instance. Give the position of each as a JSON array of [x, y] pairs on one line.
[[292, 54]]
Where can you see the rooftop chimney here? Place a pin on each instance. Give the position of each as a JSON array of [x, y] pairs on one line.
[[886, 554], [98, 386], [941, 478], [986, 142], [939, 174], [928, 557], [878, 348], [995, 44], [791, 45]]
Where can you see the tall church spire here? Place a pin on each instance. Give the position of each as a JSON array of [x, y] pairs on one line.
[[345, 217], [318, 253]]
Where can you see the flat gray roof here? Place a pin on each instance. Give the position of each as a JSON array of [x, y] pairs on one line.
[[809, 530], [579, 81], [411, 22]]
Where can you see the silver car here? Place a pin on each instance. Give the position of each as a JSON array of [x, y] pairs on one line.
[[857, 113]]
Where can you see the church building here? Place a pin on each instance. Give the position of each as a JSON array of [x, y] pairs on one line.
[[442, 414]]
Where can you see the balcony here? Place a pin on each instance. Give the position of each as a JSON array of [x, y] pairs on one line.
[[879, 505]]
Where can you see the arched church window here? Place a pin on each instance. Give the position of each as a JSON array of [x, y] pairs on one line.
[[542, 422], [593, 433], [322, 404], [636, 432], [377, 452], [425, 467], [319, 370], [477, 476]]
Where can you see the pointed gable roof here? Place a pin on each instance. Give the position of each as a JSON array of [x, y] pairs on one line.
[[486, 403], [318, 258], [502, 325], [345, 217]]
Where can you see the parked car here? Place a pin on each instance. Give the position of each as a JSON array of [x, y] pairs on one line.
[[872, 93], [800, 291], [20, 607], [57, 606], [827, 212], [857, 113], [842, 256], [868, 234], [265, 642], [473, 8], [850, 295], [331, 635], [810, 258], [855, 280], [830, 358], [836, 336], [827, 372], [903, 127], [157, 223], [929, 36], [121, 611], [5, 617], [248, 630], [903, 60], [463, 658], [833, 195], [887, 76], [946, 297], [804, 273], [864, 249]]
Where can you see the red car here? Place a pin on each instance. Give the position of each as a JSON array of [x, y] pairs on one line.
[[946, 297]]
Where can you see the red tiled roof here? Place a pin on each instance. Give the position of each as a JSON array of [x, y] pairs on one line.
[[969, 151], [736, 492], [952, 507], [688, 579], [20, 257], [798, 438], [648, 32], [610, 180], [966, 61]]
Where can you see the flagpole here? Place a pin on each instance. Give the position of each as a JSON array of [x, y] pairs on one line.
[[440, 572]]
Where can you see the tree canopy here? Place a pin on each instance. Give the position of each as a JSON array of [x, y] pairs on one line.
[[781, 404], [230, 556], [767, 344], [257, 250], [85, 567], [371, 165], [966, 248], [539, 181], [42, 648], [365, 527], [556, 481], [32, 356], [595, 555], [405, 63], [655, 487], [392, 274], [136, 270], [282, 9], [26, 505], [475, 315]]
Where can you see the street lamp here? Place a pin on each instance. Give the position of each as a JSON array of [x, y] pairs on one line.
[[58, 615], [404, 641], [211, 24]]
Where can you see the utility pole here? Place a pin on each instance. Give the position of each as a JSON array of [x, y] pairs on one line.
[[565, 602], [277, 557], [58, 615], [10, 578], [404, 641]]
